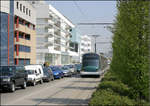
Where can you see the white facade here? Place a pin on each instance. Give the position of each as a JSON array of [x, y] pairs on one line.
[[5, 6], [25, 11], [21, 9], [85, 45], [53, 35]]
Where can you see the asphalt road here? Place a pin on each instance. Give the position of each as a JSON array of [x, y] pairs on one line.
[[66, 91]]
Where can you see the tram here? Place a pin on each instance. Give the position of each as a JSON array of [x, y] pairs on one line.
[[91, 64]]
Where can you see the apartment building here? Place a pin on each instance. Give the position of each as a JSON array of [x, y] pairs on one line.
[[53, 35], [75, 46], [17, 38], [85, 45]]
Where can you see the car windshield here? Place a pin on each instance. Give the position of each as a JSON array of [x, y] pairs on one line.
[[30, 71], [5, 70], [69, 66], [65, 68]]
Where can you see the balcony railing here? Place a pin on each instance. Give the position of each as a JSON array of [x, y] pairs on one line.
[[46, 44], [49, 34]]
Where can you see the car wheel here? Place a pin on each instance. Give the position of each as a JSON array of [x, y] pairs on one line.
[[48, 80], [60, 77], [24, 85], [52, 78], [12, 87], [34, 83], [41, 82]]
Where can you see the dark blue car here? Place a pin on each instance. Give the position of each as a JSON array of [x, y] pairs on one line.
[[57, 72]]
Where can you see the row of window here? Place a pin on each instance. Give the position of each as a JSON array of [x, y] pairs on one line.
[[23, 48], [85, 44], [23, 22], [23, 9], [85, 50], [21, 35], [27, 37], [23, 61]]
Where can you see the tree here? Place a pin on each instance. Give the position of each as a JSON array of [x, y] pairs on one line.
[[130, 46]]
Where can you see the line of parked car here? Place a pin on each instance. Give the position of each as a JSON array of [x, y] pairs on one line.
[[21, 76]]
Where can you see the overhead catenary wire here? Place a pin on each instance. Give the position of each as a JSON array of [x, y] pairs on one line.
[[78, 7]]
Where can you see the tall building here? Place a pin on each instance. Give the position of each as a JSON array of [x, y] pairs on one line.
[[53, 35], [85, 45], [17, 38], [75, 46]]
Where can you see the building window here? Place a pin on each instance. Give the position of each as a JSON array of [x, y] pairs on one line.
[[20, 35], [24, 9], [20, 7], [17, 5], [23, 48], [29, 12], [27, 37]]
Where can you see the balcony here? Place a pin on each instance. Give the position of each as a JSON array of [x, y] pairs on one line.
[[49, 34], [57, 41], [48, 25], [22, 42], [57, 48], [57, 24], [51, 39], [46, 44], [57, 34], [24, 29], [51, 17], [50, 22]]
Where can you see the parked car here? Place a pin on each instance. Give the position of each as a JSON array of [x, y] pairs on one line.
[[12, 77], [78, 67], [35, 74], [48, 74], [57, 73], [72, 68], [66, 71]]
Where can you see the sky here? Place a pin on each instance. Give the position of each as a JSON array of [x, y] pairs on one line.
[[90, 12]]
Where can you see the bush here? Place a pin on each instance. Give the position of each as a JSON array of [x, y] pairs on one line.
[[111, 91], [116, 86], [109, 77], [108, 97]]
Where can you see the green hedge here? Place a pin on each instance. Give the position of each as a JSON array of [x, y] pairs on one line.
[[130, 60], [116, 86], [114, 92], [108, 97]]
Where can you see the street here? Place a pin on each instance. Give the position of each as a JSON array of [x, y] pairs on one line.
[[74, 90]]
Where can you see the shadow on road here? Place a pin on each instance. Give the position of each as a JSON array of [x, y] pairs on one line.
[[62, 101], [7, 91], [80, 88], [86, 81]]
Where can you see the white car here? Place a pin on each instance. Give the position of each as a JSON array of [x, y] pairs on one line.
[[72, 69], [35, 74]]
